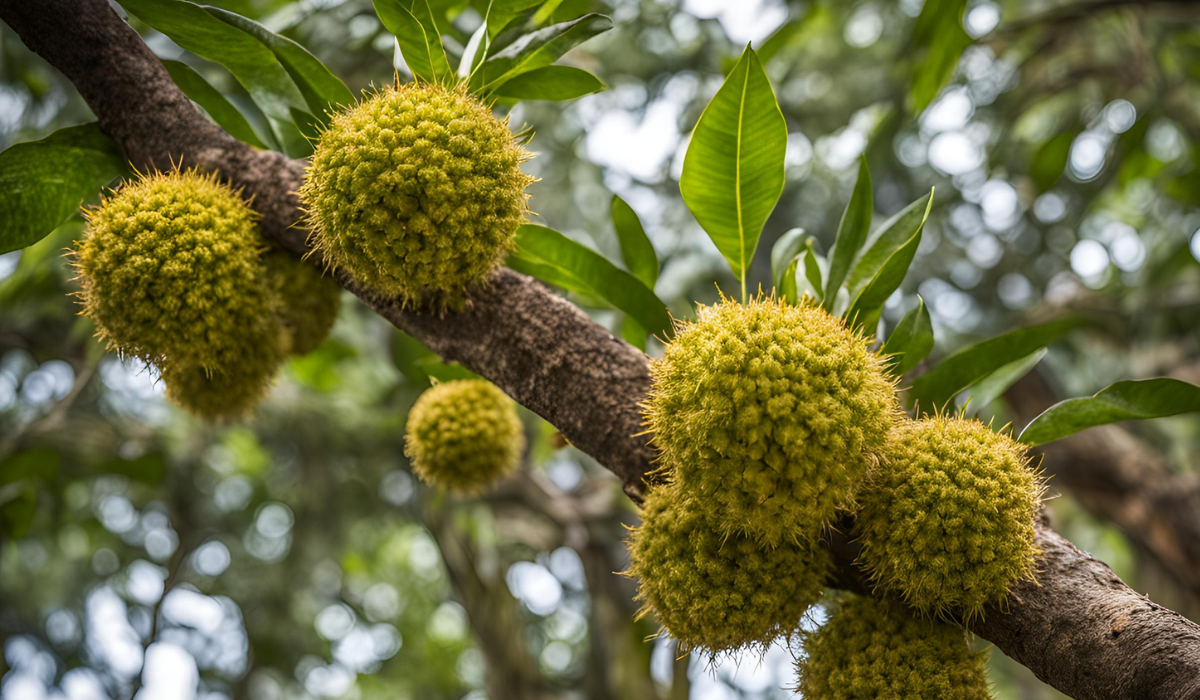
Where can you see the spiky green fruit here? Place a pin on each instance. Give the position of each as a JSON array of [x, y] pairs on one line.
[[947, 521], [875, 650], [308, 300], [714, 592], [464, 435], [170, 273], [417, 192], [769, 414], [220, 396]]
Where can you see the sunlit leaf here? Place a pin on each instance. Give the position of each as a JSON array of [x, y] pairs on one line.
[[420, 44], [537, 49], [889, 276], [1128, 400], [636, 248], [784, 252], [967, 366], [42, 183], [577, 267], [993, 386], [733, 172], [221, 110], [851, 233], [886, 240], [911, 340], [550, 83]]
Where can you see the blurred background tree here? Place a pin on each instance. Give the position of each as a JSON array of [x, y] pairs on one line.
[[145, 555]]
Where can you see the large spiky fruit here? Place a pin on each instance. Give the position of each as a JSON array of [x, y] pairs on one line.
[[947, 521], [769, 414], [221, 395], [308, 300], [712, 591], [464, 435], [170, 273], [875, 650], [417, 192]]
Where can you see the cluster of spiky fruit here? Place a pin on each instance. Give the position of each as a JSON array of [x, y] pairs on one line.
[[771, 422], [876, 650], [173, 271], [464, 435], [417, 192]]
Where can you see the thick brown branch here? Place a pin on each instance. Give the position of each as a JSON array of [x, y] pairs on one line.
[[1081, 629]]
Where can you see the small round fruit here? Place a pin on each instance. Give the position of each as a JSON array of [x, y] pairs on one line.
[[220, 396], [714, 592], [464, 435]]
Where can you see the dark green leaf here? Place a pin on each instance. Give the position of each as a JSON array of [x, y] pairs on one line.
[[911, 340], [407, 352], [213, 102], [813, 264], [889, 276], [1128, 400], [509, 14], [733, 172], [150, 468], [37, 463], [323, 91], [633, 333], [42, 183], [577, 267], [550, 83], [18, 505], [784, 252], [938, 41], [852, 232], [1051, 159], [433, 368], [993, 386], [420, 44], [636, 248], [885, 241], [967, 366], [537, 49]]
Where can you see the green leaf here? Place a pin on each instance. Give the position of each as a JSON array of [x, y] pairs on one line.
[[42, 183], [803, 275], [38, 463], [213, 102], [550, 83], [911, 340], [633, 333], [433, 368], [938, 41], [407, 352], [813, 266], [852, 232], [1127, 400], [733, 172], [537, 49], [967, 366], [1051, 160], [419, 41], [784, 253], [886, 240], [18, 505], [252, 64], [636, 248], [509, 14], [890, 274], [994, 385], [577, 267], [150, 468], [323, 91]]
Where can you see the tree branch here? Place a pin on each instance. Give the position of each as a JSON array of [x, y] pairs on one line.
[[1080, 628]]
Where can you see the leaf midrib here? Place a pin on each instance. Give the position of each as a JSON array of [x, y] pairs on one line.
[[737, 181]]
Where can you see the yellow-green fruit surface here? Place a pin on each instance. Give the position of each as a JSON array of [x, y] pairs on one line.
[[768, 414], [947, 521], [464, 435], [308, 300], [417, 192], [220, 396], [876, 650], [714, 592], [171, 273]]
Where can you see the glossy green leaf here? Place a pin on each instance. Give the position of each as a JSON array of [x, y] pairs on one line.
[[886, 240], [537, 49], [636, 248], [911, 340], [1128, 400], [784, 252], [42, 183], [802, 277], [323, 91], [733, 172], [474, 52], [509, 14], [1051, 160], [967, 366], [938, 42], [577, 267], [993, 386], [221, 110], [852, 232], [889, 276], [420, 43], [550, 83]]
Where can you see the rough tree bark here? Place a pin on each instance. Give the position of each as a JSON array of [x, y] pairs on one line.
[[1079, 628]]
